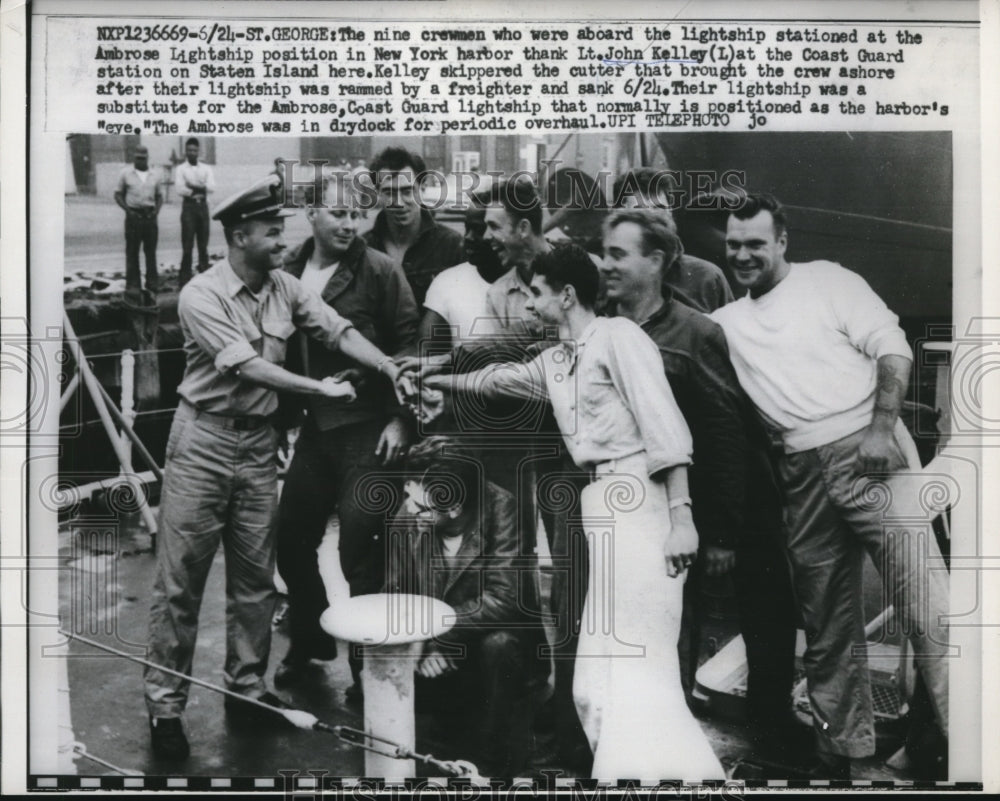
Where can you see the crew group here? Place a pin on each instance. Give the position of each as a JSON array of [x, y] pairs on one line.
[[660, 429]]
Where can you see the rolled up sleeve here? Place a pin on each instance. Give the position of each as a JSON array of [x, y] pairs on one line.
[[314, 316], [636, 370], [207, 322]]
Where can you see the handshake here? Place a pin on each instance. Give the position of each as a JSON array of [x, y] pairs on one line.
[[426, 404]]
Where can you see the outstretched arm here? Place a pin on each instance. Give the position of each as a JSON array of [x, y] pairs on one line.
[[267, 374], [508, 380]]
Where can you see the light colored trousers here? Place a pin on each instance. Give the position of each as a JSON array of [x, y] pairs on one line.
[[219, 485], [627, 685], [833, 517]]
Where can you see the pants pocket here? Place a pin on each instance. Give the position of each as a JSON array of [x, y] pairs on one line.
[[178, 432]]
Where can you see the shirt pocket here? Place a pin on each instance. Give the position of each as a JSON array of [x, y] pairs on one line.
[[275, 340]]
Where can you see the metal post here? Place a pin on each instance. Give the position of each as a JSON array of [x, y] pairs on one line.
[[128, 395], [94, 388]]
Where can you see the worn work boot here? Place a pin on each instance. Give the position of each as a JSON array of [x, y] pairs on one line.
[[167, 737]]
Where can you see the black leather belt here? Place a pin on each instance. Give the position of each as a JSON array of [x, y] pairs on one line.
[[250, 422]]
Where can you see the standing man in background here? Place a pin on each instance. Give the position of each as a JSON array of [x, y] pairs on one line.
[[194, 181], [140, 197], [406, 231]]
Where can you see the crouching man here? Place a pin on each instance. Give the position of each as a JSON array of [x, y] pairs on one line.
[[455, 538]]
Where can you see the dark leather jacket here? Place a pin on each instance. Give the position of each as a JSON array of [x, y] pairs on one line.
[[371, 292], [489, 585]]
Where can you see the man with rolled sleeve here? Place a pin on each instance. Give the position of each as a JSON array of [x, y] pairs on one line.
[[220, 477], [826, 363], [620, 422], [140, 196], [736, 504]]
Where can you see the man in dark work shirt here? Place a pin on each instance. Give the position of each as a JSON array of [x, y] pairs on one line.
[[735, 500], [694, 282], [404, 229]]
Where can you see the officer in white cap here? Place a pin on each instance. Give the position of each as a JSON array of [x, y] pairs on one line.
[[220, 481]]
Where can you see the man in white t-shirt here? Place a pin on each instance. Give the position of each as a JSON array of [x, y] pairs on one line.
[[140, 196], [827, 365], [456, 299]]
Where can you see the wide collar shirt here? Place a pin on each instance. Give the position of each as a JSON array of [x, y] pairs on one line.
[[608, 392], [226, 325], [505, 301]]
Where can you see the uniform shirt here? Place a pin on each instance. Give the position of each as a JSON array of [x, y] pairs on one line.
[[608, 392], [141, 190], [806, 352], [199, 173], [225, 324], [458, 295]]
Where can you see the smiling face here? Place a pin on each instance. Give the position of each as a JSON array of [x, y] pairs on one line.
[[262, 242], [334, 227], [546, 305], [399, 195], [755, 252], [628, 273], [506, 236]]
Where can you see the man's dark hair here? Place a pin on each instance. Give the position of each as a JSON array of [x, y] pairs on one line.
[[394, 159], [480, 199], [658, 231], [192, 141], [755, 203], [570, 265], [636, 181], [448, 478], [520, 199]]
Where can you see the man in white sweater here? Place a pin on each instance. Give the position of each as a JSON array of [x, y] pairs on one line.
[[827, 365]]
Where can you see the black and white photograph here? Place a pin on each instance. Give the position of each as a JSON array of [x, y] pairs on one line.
[[456, 435]]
